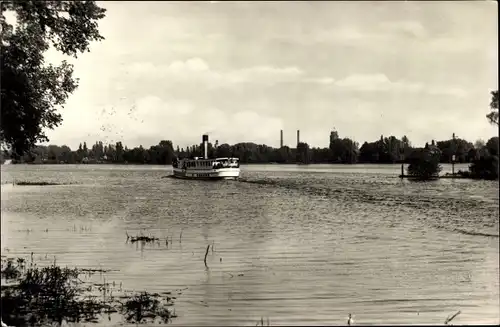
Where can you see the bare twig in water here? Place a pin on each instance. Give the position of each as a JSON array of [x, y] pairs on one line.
[[261, 322], [206, 253], [450, 318], [180, 237], [213, 245], [350, 320]]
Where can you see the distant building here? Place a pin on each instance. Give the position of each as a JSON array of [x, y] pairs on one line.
[[432, 148], [428, 150]]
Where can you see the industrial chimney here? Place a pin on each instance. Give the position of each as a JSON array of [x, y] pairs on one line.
[[205, 146], [298, 137], [281, 138]]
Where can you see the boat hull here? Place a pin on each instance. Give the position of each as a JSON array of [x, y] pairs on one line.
[[205, 174]]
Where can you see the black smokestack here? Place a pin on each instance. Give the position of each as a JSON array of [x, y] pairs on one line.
[[298, 137], [281, 138], [205, 146]]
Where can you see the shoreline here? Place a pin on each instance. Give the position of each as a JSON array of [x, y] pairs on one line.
[[248, 163]]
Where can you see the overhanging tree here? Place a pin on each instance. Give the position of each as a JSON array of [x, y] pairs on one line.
[[493, 115], [31, 90]]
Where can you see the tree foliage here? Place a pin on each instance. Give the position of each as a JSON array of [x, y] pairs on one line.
[[484, 167], [424, 163], [493, 115], [485, 163], [164, 152], [32, 90]]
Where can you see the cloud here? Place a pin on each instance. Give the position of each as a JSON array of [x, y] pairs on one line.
[[170, 118], [452, 44], [392, 36], [320, 80], [405, 28], [265, 74], [150, 119], [375, 82], [380, 82], [196, 69], [341, 35], [365, 82]]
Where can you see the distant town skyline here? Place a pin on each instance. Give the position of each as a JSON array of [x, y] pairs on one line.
[[243, 71]]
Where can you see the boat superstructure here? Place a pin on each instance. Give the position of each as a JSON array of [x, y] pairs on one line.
[[207, 168]]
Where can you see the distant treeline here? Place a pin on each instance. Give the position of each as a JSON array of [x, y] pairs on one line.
[[341, 150]]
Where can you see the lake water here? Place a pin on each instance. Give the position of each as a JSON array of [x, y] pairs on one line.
[[300, 245]]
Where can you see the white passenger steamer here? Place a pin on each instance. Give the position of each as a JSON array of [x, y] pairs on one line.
[[205, 168]]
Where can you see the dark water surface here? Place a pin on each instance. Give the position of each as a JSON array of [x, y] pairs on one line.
[[299, 244]]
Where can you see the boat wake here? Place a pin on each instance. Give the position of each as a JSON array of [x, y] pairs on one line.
[[475, 233], [442, 211]]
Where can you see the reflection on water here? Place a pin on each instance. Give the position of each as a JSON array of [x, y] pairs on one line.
[[300, 245]]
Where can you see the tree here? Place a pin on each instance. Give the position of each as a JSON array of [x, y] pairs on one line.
[[85, 150], [118, 158], [32, 91], [458, 147], [492, 146], [484, 168], [424, 163], [479, 144], [303, 153], [493, 115], [369, 152]]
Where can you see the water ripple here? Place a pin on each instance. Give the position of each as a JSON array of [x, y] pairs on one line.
[[300, 245]]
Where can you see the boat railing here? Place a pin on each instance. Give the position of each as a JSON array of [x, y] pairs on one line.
[[219, 165]]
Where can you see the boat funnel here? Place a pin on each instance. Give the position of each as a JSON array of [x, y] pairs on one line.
[[205, 146]]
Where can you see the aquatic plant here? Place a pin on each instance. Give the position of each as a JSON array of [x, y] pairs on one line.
[[27, 183], [142, 238], [261, 322], [146, 307], [11, 271], [39, 296]]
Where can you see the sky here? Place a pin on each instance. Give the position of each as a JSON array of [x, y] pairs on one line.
[[242, 71]]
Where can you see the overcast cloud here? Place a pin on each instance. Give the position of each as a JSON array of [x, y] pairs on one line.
[[243, 71]]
